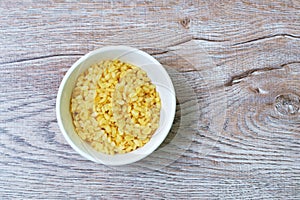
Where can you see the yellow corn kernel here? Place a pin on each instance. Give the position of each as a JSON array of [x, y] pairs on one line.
[[113, 144], [138, 90], [118, 140], [142, 122], [114, 131], [146, 89], [128, 137], [135, 113], [137, 108], [147, 131], [146, 140], [136, 142], [106, 116], [129, 109], [130, 143], [134, 98]]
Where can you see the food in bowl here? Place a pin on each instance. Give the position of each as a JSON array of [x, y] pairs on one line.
[[115, 107]]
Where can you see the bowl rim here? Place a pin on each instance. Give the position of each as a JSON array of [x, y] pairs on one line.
[[62, 87]]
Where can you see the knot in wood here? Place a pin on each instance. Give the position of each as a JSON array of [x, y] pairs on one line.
[[185, 22], [287, 104]]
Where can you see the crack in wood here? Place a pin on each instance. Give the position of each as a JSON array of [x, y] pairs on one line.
[[267, 37], [40, 57], [289, 63], [238, 78], [160, 53], [208, 40]]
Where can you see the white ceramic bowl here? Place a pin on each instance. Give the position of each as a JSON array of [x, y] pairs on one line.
[[158, 76]]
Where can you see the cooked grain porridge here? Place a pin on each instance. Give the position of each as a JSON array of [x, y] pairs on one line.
[[115, 107]]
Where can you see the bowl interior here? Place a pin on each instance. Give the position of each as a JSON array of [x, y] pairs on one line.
[[158, 76]]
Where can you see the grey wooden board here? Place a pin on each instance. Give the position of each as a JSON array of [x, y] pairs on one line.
[[235, 66]]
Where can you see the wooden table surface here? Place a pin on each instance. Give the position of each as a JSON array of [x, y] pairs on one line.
[[236, 69]]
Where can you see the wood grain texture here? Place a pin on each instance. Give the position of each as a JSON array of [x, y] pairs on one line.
[[236, 70]]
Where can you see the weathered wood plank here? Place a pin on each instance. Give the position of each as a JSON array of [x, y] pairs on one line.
[[236, 70]]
